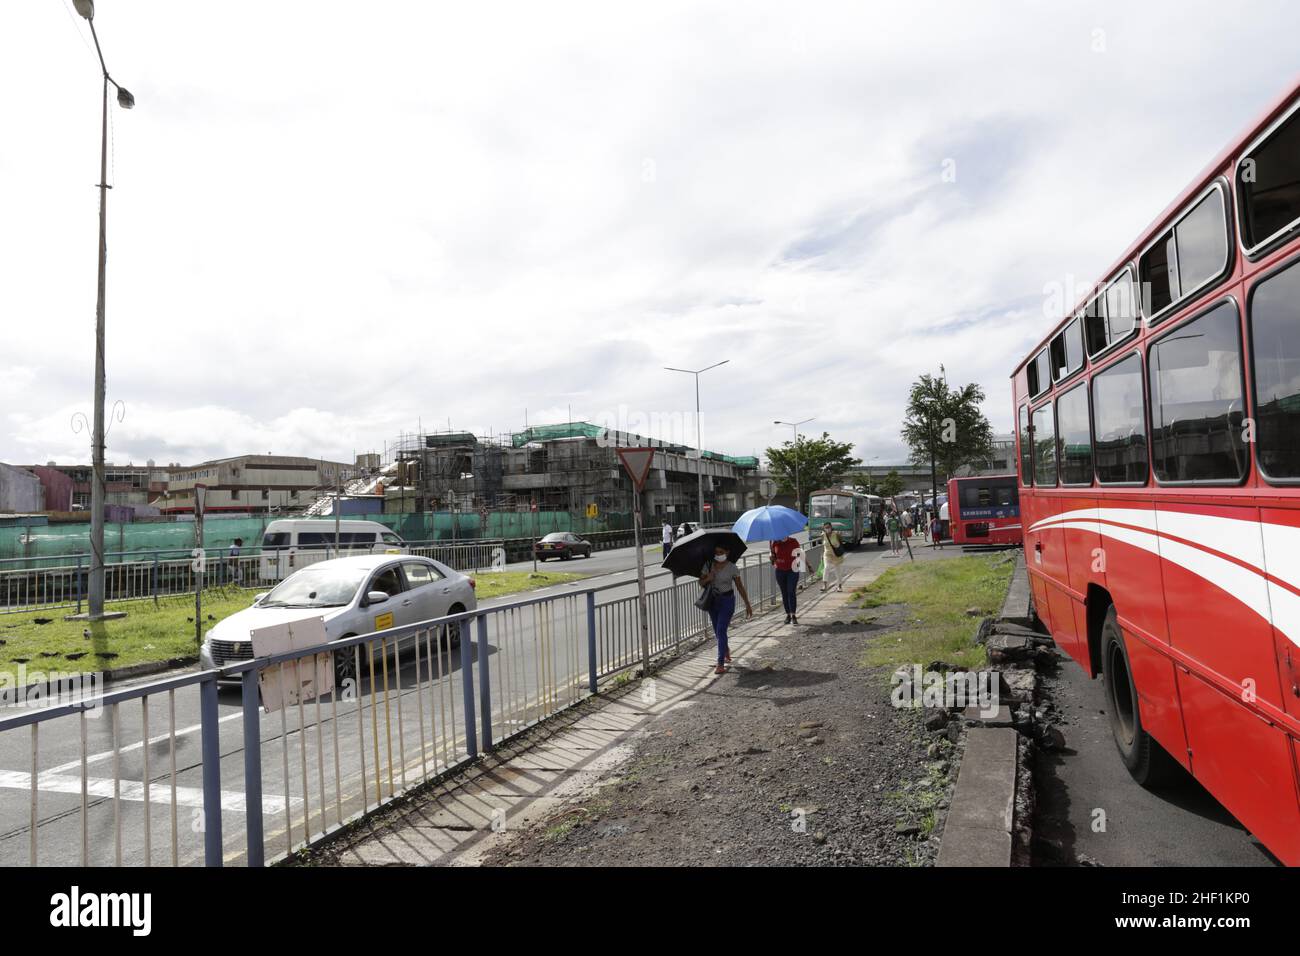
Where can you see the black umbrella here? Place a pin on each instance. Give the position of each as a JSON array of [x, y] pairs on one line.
[[692, 552]]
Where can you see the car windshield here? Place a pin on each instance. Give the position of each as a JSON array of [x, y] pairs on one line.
[[556, 536], [317, 587]]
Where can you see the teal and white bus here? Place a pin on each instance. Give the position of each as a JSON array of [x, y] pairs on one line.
[[849, 512]]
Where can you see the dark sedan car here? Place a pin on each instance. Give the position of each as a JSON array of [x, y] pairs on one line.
[[562, 545]]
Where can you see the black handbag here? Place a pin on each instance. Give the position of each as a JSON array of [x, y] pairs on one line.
[[705, 601]]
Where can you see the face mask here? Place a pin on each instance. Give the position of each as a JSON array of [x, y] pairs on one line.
[[719, 558]]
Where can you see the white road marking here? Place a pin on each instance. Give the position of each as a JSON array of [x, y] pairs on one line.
[[105, 755], [133, 790]]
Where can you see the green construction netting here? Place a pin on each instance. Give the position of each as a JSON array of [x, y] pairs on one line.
[[51, 541], [552, 432], [539, 433]]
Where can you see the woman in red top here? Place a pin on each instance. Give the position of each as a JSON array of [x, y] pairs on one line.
[[787, 560]]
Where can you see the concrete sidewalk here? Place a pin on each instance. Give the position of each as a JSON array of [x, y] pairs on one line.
[[524, 782]]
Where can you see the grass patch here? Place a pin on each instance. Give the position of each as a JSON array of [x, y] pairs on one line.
[[151, 633], [936, 595], [578, 816], [147, 633], [494, 584]]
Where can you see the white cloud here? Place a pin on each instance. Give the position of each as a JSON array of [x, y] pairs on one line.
[[327, 229]]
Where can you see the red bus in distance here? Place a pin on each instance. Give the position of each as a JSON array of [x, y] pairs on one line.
[[984, 511]]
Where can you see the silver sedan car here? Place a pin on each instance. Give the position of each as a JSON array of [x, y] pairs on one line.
[[356, 595]]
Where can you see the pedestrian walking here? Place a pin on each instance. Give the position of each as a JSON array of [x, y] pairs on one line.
[[787, 558], [832, 557], [893, 525], [879, 527], [723, 579], [667, 538], [936, 533], [232, 563]]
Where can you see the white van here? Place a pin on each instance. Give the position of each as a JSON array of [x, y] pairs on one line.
[[292, 543]]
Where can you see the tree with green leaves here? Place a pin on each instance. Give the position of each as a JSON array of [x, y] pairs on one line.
[[890, 485], [885, 487], [945, 428], [809, 463]]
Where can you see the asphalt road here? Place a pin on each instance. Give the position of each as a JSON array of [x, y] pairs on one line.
[[318, 767], [1182, 826]]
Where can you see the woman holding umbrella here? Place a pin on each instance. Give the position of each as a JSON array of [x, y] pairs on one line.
[[778, 525], [724, 578], [785, 560]]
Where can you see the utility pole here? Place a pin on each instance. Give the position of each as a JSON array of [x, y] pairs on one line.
[[200, 564], [637, 461], [338, 515], [126, 101], [699, 440], [798, 490]]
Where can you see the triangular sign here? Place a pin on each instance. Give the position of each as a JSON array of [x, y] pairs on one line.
[[637, 462]]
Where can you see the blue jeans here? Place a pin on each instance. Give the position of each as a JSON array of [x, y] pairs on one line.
[[787, 582], [724, 606]]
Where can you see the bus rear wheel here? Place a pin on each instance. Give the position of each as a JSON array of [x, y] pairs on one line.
[[1148, 763]]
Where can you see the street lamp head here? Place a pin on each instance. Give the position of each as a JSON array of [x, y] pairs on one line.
[[125, 99], [85, 7]]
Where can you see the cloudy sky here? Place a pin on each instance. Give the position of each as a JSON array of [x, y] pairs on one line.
[[332, 223]]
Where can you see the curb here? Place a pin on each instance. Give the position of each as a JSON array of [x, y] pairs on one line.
[[990, 820], [48, 688]]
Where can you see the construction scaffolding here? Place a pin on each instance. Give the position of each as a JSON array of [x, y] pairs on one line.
[[571, 467]]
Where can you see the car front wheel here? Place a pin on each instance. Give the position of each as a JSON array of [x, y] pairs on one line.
[[345, 666]]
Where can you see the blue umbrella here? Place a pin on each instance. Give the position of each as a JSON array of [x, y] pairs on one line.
[[769, 523]]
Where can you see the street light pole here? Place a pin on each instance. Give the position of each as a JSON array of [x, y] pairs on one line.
[[96, 583], [870, 486], [699, 446], [798, 490]]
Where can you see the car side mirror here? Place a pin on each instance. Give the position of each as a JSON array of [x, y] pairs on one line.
[[375, 597], [260, 598]]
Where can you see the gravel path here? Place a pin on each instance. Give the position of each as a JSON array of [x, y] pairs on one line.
[[795, 757]]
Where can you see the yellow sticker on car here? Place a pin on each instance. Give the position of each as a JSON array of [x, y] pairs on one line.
[[383, 622]]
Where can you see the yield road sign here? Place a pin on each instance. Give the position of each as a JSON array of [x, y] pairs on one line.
[[637, 462]]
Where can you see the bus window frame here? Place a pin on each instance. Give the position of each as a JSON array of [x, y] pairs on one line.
[[1092, 448], [1146, 417], [1033, 361], [1270, 243], [1055, 443], [1026, 481], [1131, 270], [1246, 404], [1248, 346], [1186, 297], [1068, 373]]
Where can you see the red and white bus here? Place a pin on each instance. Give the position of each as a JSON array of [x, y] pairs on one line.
[[984, 510], [1158, 433]]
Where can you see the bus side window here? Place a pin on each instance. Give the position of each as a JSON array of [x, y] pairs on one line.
[[1119, 422], [1044, 446], [1274, 319], [1266, 178], [1026, 449], [1197, 400]]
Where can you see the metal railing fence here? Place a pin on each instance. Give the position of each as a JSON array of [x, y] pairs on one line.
[[161, 773], [59, 581]]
